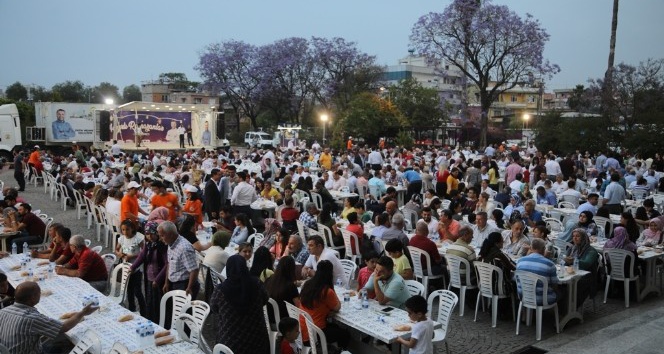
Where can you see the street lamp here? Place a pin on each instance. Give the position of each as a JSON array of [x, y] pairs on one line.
[[526, 117], [109, 101], [324, 118]]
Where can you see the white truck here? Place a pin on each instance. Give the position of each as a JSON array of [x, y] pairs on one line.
[[259, 139], [10, 131], [58, 125]]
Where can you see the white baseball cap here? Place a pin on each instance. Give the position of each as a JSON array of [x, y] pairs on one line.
[[133, 184]]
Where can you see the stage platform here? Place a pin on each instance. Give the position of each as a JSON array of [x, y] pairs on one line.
[[161, 147]]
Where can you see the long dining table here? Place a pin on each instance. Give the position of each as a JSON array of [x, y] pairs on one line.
[[67, 295]]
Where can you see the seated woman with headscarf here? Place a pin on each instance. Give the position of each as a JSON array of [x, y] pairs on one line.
[[514, 205], [585, 222], [652, 235], [159, 214], [621, 241], [238, 303], [588, 261]]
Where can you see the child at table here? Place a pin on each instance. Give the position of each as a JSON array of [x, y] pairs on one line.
[[127, 249], [422, 329], [370, 259], [290, 331]]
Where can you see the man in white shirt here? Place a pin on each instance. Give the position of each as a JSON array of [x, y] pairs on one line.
[[571, 189], [338, 181], [552, 168], [115, 149], [481, 229], [432, 224], [243, 195], [317, 253], [375, 159], [315, 146], [517, 183], [559, 185]]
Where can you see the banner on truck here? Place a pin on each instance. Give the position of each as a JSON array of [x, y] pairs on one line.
[[68, 121], [153, 126]]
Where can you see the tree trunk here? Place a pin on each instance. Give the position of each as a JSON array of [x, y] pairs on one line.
[[607, 97]]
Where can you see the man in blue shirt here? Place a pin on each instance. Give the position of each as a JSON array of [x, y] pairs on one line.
[[590, 205], [536, 263], [544, 197], [414, 183], [62, 129], [389, 286]]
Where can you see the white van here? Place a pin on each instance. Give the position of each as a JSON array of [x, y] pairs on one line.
[[258, 139]]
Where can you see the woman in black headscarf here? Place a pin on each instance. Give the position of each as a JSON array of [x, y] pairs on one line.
[[238, 303]]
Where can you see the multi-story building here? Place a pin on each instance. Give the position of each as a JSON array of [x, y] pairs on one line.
[[446, 79], [515, 103], [560, 98], [168, 92]]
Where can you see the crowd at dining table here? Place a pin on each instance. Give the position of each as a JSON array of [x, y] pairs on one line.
[[175, 210]]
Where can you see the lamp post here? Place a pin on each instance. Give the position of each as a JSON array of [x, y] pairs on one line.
[[324, 118], [526, 117]]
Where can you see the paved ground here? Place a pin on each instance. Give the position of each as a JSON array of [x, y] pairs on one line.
[[609, 329]]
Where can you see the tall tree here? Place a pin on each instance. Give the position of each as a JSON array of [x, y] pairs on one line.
[[17, 92], [287, 66], [607, 90], [370, 117], [421, 107], [70, 91], [231, 68], [103, 91], [131, 93], [501, 49]]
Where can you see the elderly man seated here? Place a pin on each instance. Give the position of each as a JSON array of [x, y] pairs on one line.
[[23, 329], [86, 264], [462, 248]]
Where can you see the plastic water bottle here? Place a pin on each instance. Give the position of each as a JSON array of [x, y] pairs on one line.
[[576, 264], [25, 248], [339, 283], [561, 271], [365, 301], [14, 249], [51, 269]]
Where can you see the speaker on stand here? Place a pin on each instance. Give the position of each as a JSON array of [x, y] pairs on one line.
[[105, 126]]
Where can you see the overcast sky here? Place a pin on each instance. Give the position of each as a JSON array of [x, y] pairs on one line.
[[125, 42]]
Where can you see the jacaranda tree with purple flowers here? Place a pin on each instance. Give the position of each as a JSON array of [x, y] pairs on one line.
[[494, 47], [231, 68]]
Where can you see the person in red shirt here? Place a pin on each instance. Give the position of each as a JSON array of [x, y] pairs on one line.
[[422, 241], [86, 264], [355, 227], [194, 206], [290, 214], [370, 258], [162, 198], [290, 330]]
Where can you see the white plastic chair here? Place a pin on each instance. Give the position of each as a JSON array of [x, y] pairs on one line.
[[199, 312], [109, 261], [352, 253], [554, 224], [124, 270], [606, 223], [185, 321], [97, 249], [414, 287], [180, 298], [87, 242], [618, 260], [529, 292], [491, 290], [447, 300], [256, 238], [295, 312], [572, 200], [316, 338], [326, 233], [272, 334], [454, 264], [318, 200], [349, 269], [89, 343], [119, 348], [221, 349], [3, 349], [80, 203], [416, 255]]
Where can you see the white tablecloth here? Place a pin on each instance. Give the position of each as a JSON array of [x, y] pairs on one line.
[[68, 296]]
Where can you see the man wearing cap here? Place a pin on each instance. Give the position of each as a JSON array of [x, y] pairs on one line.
[[129, 208], [60, 128], [162, 198], [193, 205], [349, 143]]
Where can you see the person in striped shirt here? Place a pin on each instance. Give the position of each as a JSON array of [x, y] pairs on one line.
[[535, 262], [22, 326]]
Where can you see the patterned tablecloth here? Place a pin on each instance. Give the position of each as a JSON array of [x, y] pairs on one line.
[[67, 296]]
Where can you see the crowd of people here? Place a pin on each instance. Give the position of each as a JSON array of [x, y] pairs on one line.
[[482, 203]]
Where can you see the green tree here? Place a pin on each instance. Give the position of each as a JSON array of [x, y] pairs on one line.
[[104, 91], [17, 92], [70, 91], [566, 135], [420, 106], [178, 81], [370, 117], [41, 94], [131, 93]]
